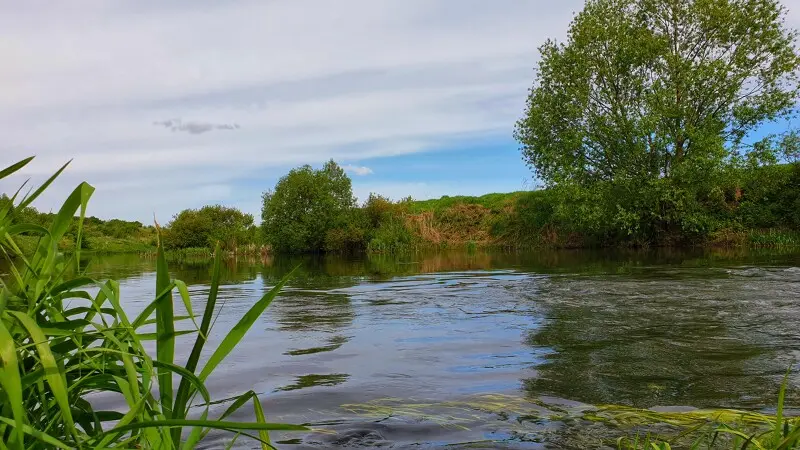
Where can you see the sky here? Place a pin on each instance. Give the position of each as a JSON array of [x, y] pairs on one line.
[[163, 106]]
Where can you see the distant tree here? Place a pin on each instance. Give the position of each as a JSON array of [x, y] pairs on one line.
[[120, 228], [208, 225], [642, 86], [304, 206]]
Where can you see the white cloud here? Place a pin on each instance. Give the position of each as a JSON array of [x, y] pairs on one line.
[[357, 170], [259, 86]]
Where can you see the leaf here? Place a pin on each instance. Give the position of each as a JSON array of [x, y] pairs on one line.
[[236, 334], [154, 336], [165, 329], [30, 198], [187, 375], [53, 374], [259, 412], [15, 167], [27, 228], [779, 412], [72, 284], [187, 301], [216, 424], [44, 437], [184, 393], [11, 382]]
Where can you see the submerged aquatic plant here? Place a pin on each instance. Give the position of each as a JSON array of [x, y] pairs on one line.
[[65, 336], [524, 417], [708, 429]]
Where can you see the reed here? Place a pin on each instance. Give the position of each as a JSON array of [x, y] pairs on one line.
[[65, 336]]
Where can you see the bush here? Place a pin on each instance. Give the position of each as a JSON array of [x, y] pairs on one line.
[[305, 206], [208, 225]]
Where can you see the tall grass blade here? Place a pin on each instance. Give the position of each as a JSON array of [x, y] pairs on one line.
[[257, 409], [236, 334], [165, 329], [15, 167], [215, 424], [53, 374], [60, 225], [11, 383], [85, 195], [28, 199], [52, 356], [182, 397], [266, 444], [44, 437], [779, 411]]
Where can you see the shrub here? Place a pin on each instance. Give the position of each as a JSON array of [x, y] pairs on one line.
[[208, 225], [305, 206]]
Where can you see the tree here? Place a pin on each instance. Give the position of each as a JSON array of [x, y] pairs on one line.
[[642, 86], [304, 206], [208, 225]]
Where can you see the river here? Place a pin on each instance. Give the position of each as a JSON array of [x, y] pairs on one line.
[[491, 349]]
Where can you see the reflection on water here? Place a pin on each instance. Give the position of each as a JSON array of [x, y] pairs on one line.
[[548, 332], [307, 381]]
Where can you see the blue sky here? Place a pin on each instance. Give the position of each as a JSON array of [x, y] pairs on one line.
[[171, 105]]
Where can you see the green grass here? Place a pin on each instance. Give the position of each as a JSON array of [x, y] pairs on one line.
[[773, 238], [494, 201], [65, 336]]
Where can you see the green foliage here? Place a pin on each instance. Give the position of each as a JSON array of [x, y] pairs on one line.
[[771, 197], [639, 122], [494, 201], [305, 206], [112, 236], [208, 225], [65, 338], [388, 232], [643, 86], [349, 234]]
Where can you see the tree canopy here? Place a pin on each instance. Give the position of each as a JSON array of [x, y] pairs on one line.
[[304, 206], [641, 86]]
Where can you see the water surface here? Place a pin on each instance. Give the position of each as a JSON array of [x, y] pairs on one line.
[[482, 350]]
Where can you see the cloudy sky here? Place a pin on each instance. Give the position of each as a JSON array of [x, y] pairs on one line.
[[171, 105]]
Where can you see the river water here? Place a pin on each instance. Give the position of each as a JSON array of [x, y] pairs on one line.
[[493, 350]]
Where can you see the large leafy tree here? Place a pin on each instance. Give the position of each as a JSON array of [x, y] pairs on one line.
[[640, 87], [304, 206]]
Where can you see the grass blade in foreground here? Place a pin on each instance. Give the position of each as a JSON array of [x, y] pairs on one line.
[[11, 384], [237, 333], [182, 397], [53, 357], [165, 330]]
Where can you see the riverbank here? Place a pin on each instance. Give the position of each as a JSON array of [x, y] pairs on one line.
[[515, 220], [755, 207]]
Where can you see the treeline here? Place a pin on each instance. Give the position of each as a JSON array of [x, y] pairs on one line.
[[190, 229], [314, 211], [754, 206]]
